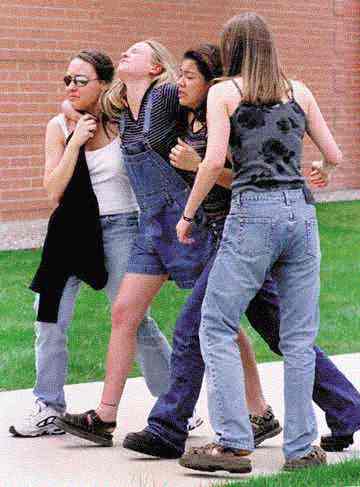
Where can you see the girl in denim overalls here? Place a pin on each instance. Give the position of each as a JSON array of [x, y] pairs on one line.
[[270, 227]]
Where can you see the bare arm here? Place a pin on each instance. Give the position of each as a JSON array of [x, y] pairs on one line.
[[183, 156], [209, 170], [60, 161], [320, 134], [226, 178]]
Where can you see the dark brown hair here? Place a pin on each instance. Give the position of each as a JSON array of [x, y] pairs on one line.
[[100, 61], [208, 60]]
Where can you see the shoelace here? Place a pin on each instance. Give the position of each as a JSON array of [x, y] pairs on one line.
[[32, 413]]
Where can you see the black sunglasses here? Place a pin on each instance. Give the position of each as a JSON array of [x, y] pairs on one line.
[[78, 80]]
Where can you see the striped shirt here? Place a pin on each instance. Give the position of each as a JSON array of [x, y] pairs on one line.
[[163, 121]]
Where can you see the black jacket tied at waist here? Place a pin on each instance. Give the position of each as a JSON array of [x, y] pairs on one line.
[[73, 244]]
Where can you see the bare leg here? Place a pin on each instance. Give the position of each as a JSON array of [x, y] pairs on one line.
[[135, 295], [254, 395]]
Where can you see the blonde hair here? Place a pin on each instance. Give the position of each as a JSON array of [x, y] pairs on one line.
[[248, 50], [113, 100]]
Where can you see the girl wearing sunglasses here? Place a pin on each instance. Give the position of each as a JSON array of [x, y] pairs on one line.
[[108, 199]]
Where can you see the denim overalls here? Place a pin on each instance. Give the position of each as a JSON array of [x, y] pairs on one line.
[[162, 194]]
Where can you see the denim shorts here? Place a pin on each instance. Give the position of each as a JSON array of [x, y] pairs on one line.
[[157, 250]]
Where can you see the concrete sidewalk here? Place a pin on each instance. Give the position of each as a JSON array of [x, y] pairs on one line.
[[66, 461]]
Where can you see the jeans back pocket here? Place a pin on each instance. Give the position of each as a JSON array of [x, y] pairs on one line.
[[250, 235]]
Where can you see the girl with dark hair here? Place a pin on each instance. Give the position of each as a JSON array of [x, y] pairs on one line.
[[90, 235], [271, 227]]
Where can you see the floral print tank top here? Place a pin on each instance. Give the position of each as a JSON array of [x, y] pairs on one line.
[[266, 143]]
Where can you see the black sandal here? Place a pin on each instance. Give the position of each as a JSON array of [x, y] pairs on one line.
[[89, 426]]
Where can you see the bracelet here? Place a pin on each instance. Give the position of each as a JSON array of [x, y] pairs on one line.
[[328, 168], [324, 166], [187, 219], [107, 404]]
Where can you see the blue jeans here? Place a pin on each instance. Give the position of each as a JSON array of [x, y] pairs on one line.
[[268, 231], [119, 233], [332, 392]]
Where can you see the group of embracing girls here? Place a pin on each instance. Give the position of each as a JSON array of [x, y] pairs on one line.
[[192, 176]]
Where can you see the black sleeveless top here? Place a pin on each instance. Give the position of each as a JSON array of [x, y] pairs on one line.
[[266, 143], [218, 201]]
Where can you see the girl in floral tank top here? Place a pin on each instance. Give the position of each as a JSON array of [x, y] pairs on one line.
[[271, 227]]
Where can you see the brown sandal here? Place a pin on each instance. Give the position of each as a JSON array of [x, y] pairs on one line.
[[315, 458], [213, 457]]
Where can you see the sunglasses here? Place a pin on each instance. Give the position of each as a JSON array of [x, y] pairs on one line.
[[79, 80]]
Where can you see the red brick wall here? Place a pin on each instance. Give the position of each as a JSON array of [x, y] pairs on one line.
[[319, 42]]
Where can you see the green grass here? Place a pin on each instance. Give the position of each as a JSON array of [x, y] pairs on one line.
[[88, 336], [344, 474]]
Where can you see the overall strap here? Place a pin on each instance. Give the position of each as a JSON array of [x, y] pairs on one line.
[[147, 118], [121, 125]]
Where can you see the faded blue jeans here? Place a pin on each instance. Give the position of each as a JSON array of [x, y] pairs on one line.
[[119, 232], [265, 231]]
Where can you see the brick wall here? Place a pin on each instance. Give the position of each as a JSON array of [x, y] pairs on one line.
[[319, 42]]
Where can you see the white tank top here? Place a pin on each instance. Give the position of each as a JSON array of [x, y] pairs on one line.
[[108, 176]]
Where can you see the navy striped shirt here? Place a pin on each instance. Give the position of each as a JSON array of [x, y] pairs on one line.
[[165, 113]]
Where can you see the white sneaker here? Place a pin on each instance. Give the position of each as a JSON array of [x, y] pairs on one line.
[[194, 422], [39, 422]]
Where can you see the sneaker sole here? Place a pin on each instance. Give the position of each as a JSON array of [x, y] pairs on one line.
[[54, 432], [333, 448], [267, 436], [99, 440], [148, 448], [206, 464]]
